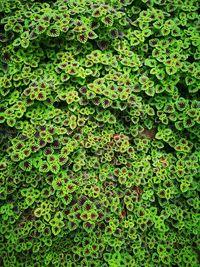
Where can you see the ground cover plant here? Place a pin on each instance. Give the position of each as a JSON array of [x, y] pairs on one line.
[[99, 133]]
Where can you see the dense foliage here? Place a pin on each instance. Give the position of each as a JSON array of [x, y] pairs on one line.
[[99, 133]]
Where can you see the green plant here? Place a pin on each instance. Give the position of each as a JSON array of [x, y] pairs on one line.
[[99, 133]]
